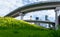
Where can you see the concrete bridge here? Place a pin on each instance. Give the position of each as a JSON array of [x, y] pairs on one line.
[[37, 6], [39, 22]]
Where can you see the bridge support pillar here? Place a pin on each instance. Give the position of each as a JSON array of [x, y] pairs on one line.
[[56, 17], [22, 15]]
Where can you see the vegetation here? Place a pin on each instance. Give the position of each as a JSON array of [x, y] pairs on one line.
[[10, 27]]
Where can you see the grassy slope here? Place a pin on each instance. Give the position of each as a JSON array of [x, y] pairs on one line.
[[10, 27]]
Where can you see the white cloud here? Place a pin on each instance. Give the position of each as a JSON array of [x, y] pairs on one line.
[[7, 6]]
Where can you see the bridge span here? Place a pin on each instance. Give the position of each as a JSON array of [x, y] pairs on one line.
[[37, 6]]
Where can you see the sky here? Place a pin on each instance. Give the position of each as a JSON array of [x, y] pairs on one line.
[[41, 15], [6, 6]]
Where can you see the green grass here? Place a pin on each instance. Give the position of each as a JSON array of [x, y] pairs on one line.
[[10, 27]]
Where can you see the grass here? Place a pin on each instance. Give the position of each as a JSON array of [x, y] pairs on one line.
[[10, 27]]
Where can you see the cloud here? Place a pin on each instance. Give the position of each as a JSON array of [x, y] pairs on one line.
[[6, 6]]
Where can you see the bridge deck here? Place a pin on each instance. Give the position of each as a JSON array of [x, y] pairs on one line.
[[38, 21], [34, 7]]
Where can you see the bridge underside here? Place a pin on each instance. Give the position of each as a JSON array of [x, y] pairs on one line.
[[25, 12]]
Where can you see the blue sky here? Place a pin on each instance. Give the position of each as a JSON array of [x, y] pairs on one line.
[[6, 6]]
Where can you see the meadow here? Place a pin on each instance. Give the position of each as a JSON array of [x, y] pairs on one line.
[[10, 27]]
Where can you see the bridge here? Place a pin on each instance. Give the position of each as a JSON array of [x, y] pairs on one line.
[[35, 7], [39, 22]]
